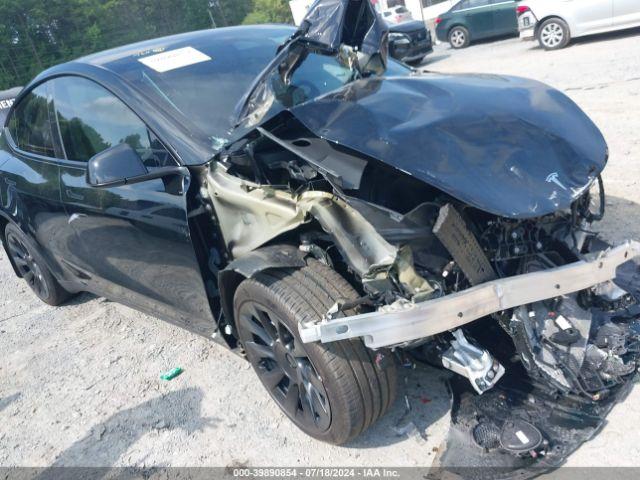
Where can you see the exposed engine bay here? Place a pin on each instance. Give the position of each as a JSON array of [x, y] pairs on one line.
[[404, 244], [471, 244]]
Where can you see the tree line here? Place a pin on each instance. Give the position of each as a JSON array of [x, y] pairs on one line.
[[36, 34]]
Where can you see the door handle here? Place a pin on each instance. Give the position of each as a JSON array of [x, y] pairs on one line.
[[74, 195]]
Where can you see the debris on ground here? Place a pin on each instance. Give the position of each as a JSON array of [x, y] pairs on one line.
[[171, 374]]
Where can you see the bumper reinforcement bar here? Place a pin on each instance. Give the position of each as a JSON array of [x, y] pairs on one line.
[[405, 321]]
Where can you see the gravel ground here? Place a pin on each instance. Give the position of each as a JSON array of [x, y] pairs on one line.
[[80, 386]]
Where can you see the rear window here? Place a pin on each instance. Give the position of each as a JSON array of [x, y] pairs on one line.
[[30, 125]]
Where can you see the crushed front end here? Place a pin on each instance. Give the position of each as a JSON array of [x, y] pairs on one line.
[[462, 210], [539, 318]]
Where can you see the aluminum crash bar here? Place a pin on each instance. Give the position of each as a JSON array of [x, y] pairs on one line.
[[402, 322]]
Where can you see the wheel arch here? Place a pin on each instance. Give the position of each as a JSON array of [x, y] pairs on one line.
[[459, 24], [266, 258], [549, 17]]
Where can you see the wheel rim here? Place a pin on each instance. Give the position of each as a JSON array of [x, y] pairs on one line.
[[552, 35], [28, 267], [284, 367], [458, 38]]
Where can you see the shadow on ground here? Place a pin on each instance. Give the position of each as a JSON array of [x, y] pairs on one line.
[[621, 220], [109, 440], [6, 401], [430, 59], [423, 399]]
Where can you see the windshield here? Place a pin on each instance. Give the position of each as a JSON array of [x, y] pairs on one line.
[[320, 74], [221, 66], [311, 75], [206, 75]]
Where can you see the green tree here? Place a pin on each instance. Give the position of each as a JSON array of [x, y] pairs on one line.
[[230, 12], [36, 34], [269, 11]]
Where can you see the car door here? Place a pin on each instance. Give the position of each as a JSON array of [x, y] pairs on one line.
[[478, 15], [626, 13], [590, 16], [505, 19], [133, 241], [30, 188]]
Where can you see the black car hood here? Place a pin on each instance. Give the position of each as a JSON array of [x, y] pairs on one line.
[[506, 145]]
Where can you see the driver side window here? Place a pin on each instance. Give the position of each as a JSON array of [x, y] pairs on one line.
[[91, 119]]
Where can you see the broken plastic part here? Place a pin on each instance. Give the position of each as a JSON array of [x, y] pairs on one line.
[[171, 374], [465, 359]]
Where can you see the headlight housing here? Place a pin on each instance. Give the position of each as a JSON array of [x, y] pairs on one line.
[[399, 39]]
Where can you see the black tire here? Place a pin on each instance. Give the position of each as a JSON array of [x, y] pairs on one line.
[[32, 268], [459, 37], [554, 34], [351, 387]]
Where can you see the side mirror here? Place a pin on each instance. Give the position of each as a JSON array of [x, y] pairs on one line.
[[121, 165]]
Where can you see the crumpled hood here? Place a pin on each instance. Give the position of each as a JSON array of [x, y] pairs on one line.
[[506, 145]]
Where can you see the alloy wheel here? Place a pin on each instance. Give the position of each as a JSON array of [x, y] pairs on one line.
[[284, 367], [458, 38], [552, 35], [27, 265]]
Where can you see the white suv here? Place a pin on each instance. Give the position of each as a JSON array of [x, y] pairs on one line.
[[555, 22]]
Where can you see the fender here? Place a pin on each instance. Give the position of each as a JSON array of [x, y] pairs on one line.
[[248, 266]]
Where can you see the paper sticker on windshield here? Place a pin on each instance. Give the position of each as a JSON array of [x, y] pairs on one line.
[[173, 59]]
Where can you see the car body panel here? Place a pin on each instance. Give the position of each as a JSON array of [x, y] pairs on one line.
[[146, 255], [592, 16], [485, 140], [505, 19], [626, 13]]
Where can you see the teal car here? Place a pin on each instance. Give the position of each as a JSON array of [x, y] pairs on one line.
[[470, 20]]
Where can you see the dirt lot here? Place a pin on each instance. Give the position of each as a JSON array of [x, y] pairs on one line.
[[79, 385]]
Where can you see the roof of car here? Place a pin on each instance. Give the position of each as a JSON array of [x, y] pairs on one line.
[[138, 49]]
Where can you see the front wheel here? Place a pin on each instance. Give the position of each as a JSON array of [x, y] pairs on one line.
[[459, 37], [554, 34], [332, 392]]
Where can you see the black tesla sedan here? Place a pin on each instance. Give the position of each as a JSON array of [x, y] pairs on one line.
[[321, 209]]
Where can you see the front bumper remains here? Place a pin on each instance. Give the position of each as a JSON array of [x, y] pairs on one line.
[[405, 321]]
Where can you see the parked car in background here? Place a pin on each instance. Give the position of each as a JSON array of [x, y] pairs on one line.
[[6, 101], [410, 42], [470, 20], [555, 23], [397, 15]]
